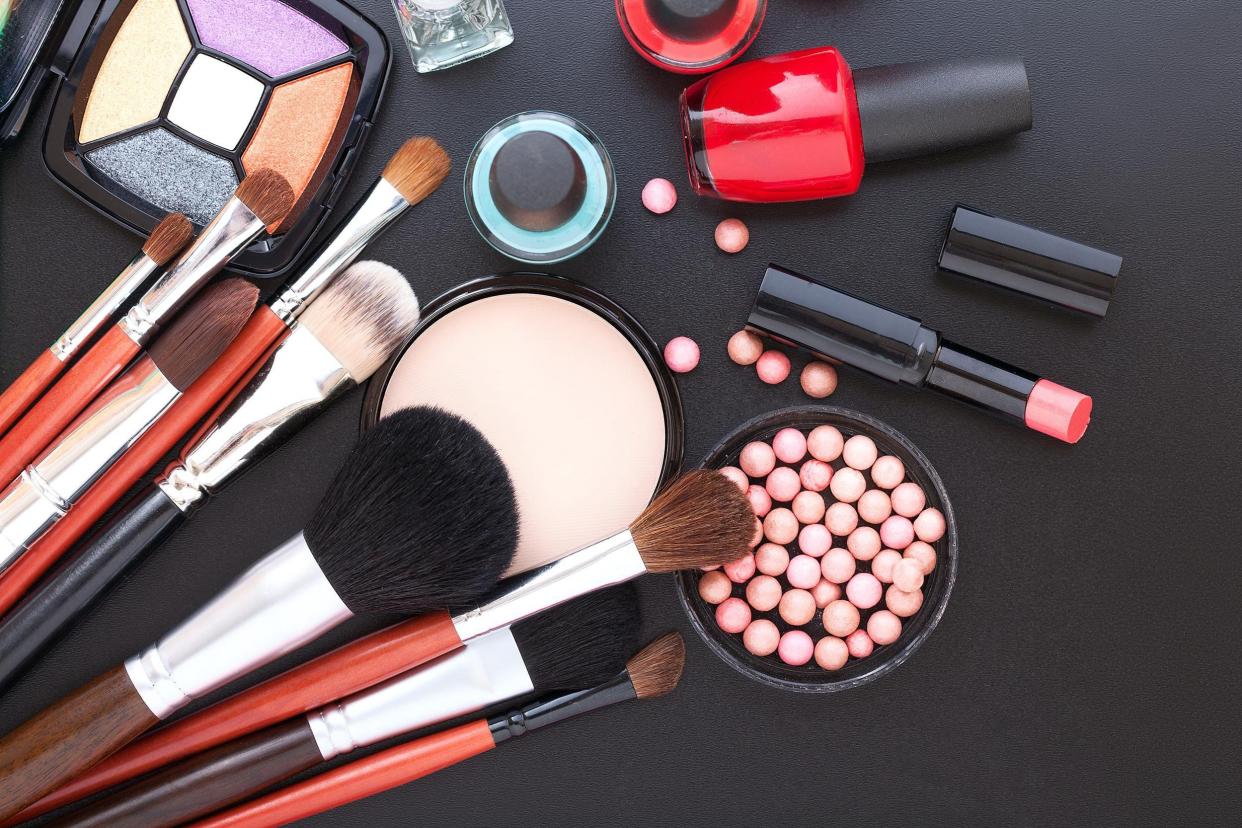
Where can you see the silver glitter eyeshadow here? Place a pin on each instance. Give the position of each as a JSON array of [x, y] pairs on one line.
[[167, 172]]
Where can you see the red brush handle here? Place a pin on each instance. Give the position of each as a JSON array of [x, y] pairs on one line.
[[27, 388], [377, 773]]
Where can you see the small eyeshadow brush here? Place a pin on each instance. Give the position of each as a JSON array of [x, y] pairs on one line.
[[167, 239], [345, 334], [579, 644], [422, 515], [653, 672]]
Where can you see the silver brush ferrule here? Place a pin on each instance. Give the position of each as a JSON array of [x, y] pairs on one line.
[[274, 607], [612, 561], [381, 205], [484, 672], [295, 381], [93, 320], [234, 227]]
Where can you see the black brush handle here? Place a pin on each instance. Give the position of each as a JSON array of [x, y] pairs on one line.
[[31, 627], [207, 782]]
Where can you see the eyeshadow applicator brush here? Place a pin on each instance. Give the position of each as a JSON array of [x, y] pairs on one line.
[[422, 515], [344, 336], [653, 672], [172, 233], [580, 644]]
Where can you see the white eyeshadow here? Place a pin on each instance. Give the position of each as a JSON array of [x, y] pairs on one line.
[[215, 101]]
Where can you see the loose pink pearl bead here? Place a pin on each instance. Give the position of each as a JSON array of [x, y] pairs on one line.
[[888, 471], [929, 525], [814, 540], [883, 563], [771, 559], [761, 637], [897, 532], [783, 484], [733, 615], [789, 445], [859, 452], [796, 648], [864, 590], [757, 459], [808, 507], [803, 572], [681, 354], [715, 587], [908, 499], [863, 543], [824, 593], [732, 235], [831, 653], [819, 380], [780, 526], [741, 570], [883, 627], [745, 348], [825, 443], [908, 575], [738, 477], [841, 519], [797, 607], [659, 195], [903, 604], [848, 485], [764, 592], [815, 475], [874, 506], [923, 553], [860, 644], [760, 500], [837, 565], [772, 367], [840, 618]]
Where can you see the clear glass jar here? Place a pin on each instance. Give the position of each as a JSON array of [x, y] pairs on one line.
[[444, 33]]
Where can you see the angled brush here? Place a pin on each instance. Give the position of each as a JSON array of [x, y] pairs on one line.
[[348, 332], [421, 515]]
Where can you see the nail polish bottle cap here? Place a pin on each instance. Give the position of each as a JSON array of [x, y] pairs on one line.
[[538, 181]]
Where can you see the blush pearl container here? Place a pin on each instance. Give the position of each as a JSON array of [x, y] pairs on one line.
[[855, 661], [691, 37]]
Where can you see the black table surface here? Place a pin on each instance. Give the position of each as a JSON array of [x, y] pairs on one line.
[[1086, 669]]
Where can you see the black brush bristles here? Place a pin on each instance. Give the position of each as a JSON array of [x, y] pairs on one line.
[[581, 643], [421, 516]]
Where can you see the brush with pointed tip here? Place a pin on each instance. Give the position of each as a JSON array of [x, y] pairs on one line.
[[263, 198], [345, 335], [166, 240], [580, 644], [421, 515], [653, 672]]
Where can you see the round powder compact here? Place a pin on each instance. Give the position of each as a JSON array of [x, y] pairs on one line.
[[569, 389]]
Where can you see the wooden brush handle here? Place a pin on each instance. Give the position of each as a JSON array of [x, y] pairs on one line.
[[69, 737], [27, 388], [375, 774], [207, 782]]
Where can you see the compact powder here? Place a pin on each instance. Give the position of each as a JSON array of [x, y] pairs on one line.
[[566, 399], [230, 26], [215, 101]]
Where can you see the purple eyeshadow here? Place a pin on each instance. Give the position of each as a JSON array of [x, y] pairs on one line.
[[266, 34]]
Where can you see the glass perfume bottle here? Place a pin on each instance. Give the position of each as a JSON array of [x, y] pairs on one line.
[[444, 33]]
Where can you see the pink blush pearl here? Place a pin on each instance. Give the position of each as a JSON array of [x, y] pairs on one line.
[[783, 484], [908, 499], [763, 592], [874, 506], [837, 565], [888, 472], [825, 443], [745, 348], [803, 572], [831, 653], [814, 540], [819, 380], [780, 526], [908, 575], [681, 354], [824, 593], [757, 538], [815, 475], [795, 648], [732, 235], [863, 543], [841, 519], [903, 604], [772, 367], [741, 570], [883, 627], [659, 195], [924, 554], [808, 507], [733, 615], [715, 587], [883, 563], [897, 532], [760, 500], [848, 485], [789, 445], [860, 644], [864, 590], [761, 637], [738, 477], [840, 618], [859, 452], [929, 525], [757, 459], [771, 559], [797, 607]]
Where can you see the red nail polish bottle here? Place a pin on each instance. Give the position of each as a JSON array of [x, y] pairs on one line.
[[691, 36], [802, 125]]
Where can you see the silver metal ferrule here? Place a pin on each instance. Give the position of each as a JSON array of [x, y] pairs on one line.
[[88, 448], [274, 607], [612, 561], [486, 671], [93, 320], [233, 228], [294, 383], [381, 205]]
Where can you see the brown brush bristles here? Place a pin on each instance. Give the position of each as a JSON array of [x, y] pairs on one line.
[[656, 669], [168, 237], [267, 194], [700, 519], [201, 332], [418, 168]]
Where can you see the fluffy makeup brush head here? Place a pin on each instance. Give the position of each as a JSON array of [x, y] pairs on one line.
[[656, 669], [363, 315], [700, 519], [267, 194], [581, 643], [202, 331], [421, 516], [169, 236], [418, 168]]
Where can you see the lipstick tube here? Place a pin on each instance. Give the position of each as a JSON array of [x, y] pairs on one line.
[[841, 327]]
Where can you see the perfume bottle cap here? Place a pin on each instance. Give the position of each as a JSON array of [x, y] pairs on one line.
[[537, 181], [692, 19]]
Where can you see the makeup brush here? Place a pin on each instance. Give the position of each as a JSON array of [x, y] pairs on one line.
[[413, 173], [580, 644], [344, 336], [701, 519], [421, 515], [653, 672], [47, 488], [165, 241], [263, 198]]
